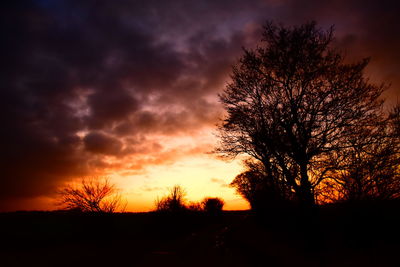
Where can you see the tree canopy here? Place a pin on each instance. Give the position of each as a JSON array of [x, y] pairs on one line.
[[295, 102]]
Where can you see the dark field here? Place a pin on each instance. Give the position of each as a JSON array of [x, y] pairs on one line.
[[356, 235]]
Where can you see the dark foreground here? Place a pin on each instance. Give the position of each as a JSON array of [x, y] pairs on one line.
[[356, 235]]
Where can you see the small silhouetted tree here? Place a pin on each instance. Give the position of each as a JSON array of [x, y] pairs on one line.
[[173, 202], [248, 184], [257, 187], [212, 205], [292, 102], [92, 195]]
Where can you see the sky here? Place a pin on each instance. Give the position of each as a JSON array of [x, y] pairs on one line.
[[129, 89]]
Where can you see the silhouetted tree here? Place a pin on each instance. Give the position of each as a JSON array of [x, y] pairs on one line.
[[248, 184], [92, 195], [213, 205], [173, 202], [292, 102]]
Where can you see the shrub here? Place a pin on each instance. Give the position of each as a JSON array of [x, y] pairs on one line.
[[213, 205]]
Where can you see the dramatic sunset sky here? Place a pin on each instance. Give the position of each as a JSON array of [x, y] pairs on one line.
[[128, 89]]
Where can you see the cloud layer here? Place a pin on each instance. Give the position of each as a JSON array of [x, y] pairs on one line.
[[91, 86]]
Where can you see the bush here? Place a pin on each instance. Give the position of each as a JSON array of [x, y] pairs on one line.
[[213, 205]]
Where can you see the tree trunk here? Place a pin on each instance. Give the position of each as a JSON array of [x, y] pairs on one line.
[[305, 194]]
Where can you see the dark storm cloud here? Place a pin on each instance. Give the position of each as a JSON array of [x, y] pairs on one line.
[[84, 80], [107, 108], [102, 144], [75, 73]]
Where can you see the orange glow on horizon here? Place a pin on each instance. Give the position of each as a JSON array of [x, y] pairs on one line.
[[183, 160], [201, 176]]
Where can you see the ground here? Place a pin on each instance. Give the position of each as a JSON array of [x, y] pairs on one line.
[[349, 235]]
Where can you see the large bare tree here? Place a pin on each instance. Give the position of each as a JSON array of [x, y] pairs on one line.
[[293, 101]]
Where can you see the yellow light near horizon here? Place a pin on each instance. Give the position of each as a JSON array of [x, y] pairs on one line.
[[201, 176]]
